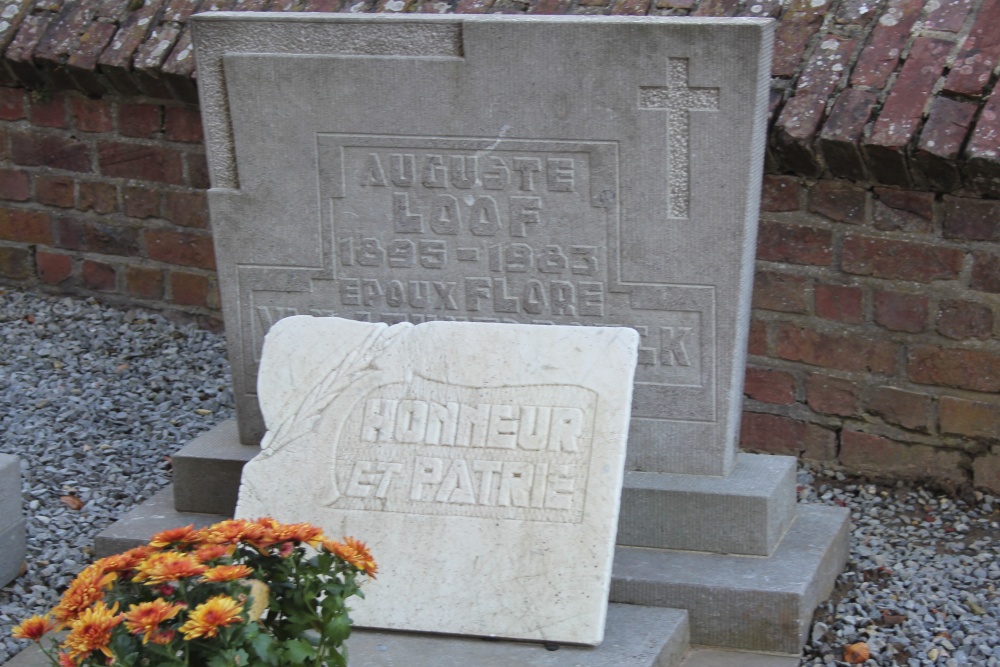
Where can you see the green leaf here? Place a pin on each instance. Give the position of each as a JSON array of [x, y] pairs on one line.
[[298, 651]]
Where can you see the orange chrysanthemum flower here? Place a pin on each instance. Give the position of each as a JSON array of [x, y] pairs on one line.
[[354, 552], [145, 618], [206, 619], [86, 589], [66, 660], [221, 573], [297, 532], [163, 637], [224, 532], [214, 552], [34, 628], [124, 561], [168, 566], [91, 631], [184, 535]]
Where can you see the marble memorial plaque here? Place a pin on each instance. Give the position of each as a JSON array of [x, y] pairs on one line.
[[482, 463], [560, 170]]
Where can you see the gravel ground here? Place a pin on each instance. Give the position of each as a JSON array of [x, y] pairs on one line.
[[95, 399]]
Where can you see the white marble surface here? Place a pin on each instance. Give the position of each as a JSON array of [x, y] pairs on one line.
[[482, 463]]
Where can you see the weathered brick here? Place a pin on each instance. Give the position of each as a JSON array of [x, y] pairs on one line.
[[985, 273], [986, 472], [941, 141], [836, 350], [971, 219], [826, 67], [21, 51], [790, 41], [4, 144], [795, 131], [875, 455], [900, 260], [769, 386], [63, 34], [960, 320], [899, 407], [13, 14], [979, 55], [903, 110], [974, 419], [49, 110], [146, 163], [819, 444], [903, 210], [483, 6], [25, 226], [782, 292], [93, 41], [141, 202], [881, 54], [977, 370], [53, 268], [840, 303], [982, 166], [16, 263], [143, 121], [949, 16], [183, 124], [717, 8], [773, 434], [794, 244], [98, 276], [15, 185], [192, 289], [97, 197], [11, 103], [840, 139], [92, 115], [151, 53], [116, 59], [183, 248], [838, 200], [898, 311], [54, 190], [833, 395], [197, 171], [144, 282], [46, 150], [757, 343], [188, 209], [855, 12], [79, 234], [780, 194]]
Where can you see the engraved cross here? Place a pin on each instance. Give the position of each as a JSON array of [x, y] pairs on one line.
[[677, 99]]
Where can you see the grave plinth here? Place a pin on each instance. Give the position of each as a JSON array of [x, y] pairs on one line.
[[12, 523]]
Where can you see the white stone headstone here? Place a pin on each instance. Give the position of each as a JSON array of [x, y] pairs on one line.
[[482, 463]]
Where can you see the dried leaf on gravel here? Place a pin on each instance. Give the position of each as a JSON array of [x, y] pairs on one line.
[[856, 654], [72, 502]]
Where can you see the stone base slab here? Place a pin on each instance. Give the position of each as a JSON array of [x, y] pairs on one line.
[[12, 551], [743, 602], [207, 470], [746, 512]]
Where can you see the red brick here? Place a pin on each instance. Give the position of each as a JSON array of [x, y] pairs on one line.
[[838, 350], [16, 263], [97, 197], [840, 139], [757, 343], [21, 50], [141, 202], [197, 170], [780, 291], [982, 168], [41, 150], [790, 41], [188, 209], [18, 224], [941, 141], [780, 194], [903, 210], [969, 418], [825, 68], [52, 268], [92, 115], [183, 125], [143, 282], [763, 9], [93, 41], [979, 55], [54, 191], [873, 454], [145, 163], [794, 244], [881, 54], [820, 444], [772, 433], [483, 6], [900, 260], [902, 408], [78, 234], [717, 8], [183, 248], [838, 200], [840, 303], [117, 57], [898, 311], [949, 16], [48, 110], [63, 34], [855, 12], [977, 370], [191, 289], [795, 131], [11, 103], [986, 472], [769, 386], [832, 395], [15, 185], [964, 319], [143, 121], [971, 219], [985, 273], [4, 144], [98, 276]]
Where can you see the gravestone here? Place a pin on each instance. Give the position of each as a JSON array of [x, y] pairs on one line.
[[483, 462], [561, 170], [12, 523]]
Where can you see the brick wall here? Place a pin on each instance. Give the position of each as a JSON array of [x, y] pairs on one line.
[[875, 342]]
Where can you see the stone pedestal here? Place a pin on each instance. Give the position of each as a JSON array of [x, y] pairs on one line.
[[12, 524]]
